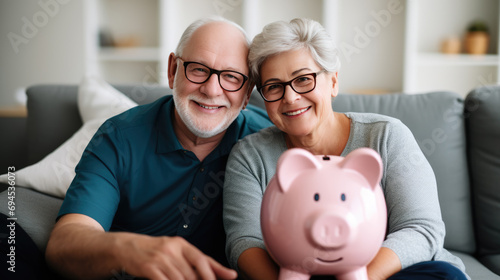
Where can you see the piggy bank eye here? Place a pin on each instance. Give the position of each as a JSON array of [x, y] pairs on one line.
[[342, 197], [316, 196]]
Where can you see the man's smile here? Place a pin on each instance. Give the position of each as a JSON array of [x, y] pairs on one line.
[[210, 107]]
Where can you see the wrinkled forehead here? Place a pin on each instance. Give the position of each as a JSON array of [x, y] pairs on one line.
[[219, 45]]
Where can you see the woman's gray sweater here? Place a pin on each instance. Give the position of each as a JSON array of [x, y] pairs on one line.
[[415, 228]]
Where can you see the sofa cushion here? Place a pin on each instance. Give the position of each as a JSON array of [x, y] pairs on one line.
[[482, 115], [53, 174], [474, 268], [54, 117], [437, 124], [97, 101], [143, 93]]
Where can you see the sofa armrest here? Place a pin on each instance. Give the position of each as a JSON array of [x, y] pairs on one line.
[[12, 143], [483, 133], [35, 212]]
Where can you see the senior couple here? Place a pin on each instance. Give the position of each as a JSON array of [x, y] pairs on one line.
[[147, 196]]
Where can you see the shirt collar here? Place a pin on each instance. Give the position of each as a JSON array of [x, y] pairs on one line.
[[167, 141]]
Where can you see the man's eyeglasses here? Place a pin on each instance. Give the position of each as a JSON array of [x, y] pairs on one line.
[[199, 73], [276, 91]]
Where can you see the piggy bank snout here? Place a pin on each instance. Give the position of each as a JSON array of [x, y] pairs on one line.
[[330, 230]]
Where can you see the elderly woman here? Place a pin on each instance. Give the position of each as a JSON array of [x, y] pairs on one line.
[[295, 67]]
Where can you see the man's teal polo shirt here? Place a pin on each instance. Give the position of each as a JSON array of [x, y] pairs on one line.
[[135, 176]]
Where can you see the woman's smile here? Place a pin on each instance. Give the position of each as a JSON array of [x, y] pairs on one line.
[[294, 113]]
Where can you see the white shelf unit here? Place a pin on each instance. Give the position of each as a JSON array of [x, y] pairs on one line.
[[429, 22], [157, 26], [129, 54]]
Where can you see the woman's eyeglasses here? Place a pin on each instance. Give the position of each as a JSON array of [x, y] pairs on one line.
[[274, 91]]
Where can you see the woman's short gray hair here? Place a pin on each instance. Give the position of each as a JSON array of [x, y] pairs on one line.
[[281, 36], [199, 23]]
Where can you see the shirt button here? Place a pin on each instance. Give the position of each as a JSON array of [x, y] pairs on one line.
[[202, 169], [194, 197], [185, 226]]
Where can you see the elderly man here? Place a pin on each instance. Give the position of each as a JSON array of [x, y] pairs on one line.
[[146, 198]]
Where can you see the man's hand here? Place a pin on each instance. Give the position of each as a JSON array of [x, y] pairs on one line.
[[169, 258], [80, 248]]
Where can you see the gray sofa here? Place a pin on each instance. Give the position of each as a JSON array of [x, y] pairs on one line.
[[461, 139]]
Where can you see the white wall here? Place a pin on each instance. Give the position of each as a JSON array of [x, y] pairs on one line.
[[47, 45], [371, 47], [371, 44]]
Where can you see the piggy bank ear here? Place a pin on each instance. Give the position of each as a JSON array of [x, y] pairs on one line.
[[367, 162], [291, 163]]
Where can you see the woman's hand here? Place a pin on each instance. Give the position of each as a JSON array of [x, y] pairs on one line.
[[385, 264], [256, 264]]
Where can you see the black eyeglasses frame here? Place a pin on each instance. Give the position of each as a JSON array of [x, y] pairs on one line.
[[289, 83], [213, 71]]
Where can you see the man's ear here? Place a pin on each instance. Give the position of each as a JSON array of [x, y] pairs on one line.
[[335, 84], [172, 69]]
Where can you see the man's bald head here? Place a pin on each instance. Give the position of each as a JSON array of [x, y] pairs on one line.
[[190, 30]]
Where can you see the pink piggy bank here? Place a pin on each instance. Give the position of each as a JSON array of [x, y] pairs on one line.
[[324, 215]]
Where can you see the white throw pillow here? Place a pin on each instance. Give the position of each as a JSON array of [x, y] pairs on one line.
[[97, 101]]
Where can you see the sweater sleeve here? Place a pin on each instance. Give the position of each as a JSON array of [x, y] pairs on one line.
[[415, 228], [250, 166]]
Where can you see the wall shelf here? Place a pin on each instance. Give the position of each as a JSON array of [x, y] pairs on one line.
[[426, 69], [156, 26], [129, 54], [440, 59]]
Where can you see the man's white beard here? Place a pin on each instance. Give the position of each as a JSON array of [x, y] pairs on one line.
[[182, 107]]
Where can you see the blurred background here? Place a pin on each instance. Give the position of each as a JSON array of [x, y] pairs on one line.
[[385, 46]]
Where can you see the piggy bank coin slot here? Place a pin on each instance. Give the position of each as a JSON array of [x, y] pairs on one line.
[[326, 158]]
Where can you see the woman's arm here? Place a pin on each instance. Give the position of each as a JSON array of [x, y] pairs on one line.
[[242, 198], [250, 166], [415, 227]]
